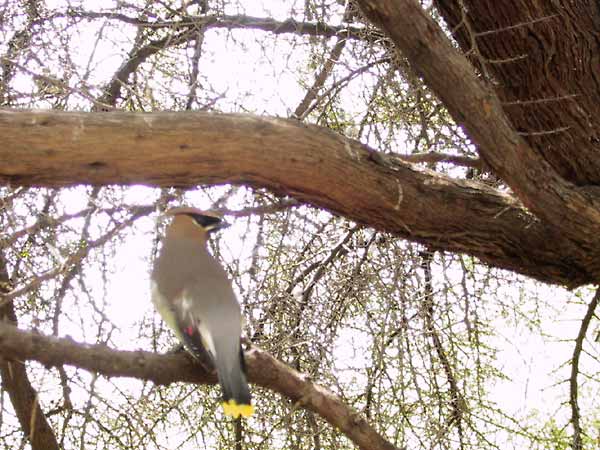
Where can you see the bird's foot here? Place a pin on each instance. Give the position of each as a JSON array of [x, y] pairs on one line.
[[178, 348]]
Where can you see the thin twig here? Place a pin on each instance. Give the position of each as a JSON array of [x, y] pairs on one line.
[[537, 101], [432, 157], [73, 259], [518, 25], [573, 388]]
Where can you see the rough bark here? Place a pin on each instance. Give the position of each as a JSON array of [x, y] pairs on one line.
[[310, 163], [543, 57], [572, 210], [263, 370]]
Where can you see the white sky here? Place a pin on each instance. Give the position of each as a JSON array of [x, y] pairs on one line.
[[529, 360]]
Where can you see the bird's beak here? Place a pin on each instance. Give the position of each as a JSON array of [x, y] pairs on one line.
[[219, 226]]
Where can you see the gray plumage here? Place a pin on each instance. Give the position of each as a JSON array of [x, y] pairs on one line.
[[194, 295]]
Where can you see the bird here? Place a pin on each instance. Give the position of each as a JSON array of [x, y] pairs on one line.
[[194, 296]]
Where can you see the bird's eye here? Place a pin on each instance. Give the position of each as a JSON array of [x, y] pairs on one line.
[[206, 222]]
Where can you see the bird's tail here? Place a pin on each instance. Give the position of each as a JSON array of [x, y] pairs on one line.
[[231, 370]]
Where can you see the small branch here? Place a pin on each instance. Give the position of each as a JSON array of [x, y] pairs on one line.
[[432, 158], [239, 433], [261, 210], [540, 101], [320, 79], [60, 84], [326, 70], [15, 381], [45, 221], [263, 370], [457, 406], [195, 62], [288, 26], [74, 259], [515, 26], [573, 388], [543, 132], [319, 271], [338, 84], [136, 57]]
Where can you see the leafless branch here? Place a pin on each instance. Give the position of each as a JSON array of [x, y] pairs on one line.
[[325, 72], [73, 259], [573, 388], [458, 406], [82, 91], [289, 26], [15, 381], [431, 158], [515, 26], [47, 221], [263, 370], [180, 150]]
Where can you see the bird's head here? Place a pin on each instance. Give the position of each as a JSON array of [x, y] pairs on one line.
[[193, 222]]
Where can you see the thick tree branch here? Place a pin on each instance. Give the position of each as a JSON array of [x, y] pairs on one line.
[[572, 210], [529, 50], [263, 370], [310, 163]]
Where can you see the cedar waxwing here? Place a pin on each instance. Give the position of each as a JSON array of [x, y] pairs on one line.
[[192, 293]]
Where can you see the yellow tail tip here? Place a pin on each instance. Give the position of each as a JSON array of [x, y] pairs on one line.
[[232, 409]]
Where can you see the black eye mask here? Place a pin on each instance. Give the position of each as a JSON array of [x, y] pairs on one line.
[[207, 222]]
